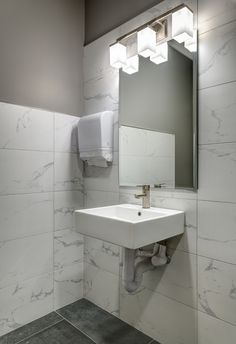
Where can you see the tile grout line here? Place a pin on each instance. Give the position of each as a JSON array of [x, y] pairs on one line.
[[217, 318], [149, 342], [197, 281], [75, 327], [212, 258], [216, 85], [53, 212], [37, 332], [215, 27], [40, 192], [203, 145]]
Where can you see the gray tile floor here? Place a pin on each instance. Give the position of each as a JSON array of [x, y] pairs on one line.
[[81, 322]]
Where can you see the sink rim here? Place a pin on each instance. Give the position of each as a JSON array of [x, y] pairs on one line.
[[164, 211]]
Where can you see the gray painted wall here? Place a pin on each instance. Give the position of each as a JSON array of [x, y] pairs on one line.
[[160, 98], [104, 15], [41, 54]]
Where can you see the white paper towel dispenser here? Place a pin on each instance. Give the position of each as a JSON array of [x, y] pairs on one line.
[[95, 137]]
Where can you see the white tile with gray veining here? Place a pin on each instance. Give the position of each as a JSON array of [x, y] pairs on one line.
[[66, 133], [25, 128], [101, 179], [65, 203], [68, 172], [213, 13], [216, 230], [102, 255], [177, 280], [217, 120], [25, 171], [102, 93], [102, 288], [96, 56], [25, 258], [25, 301], [68, 248], [68, 285], [164, 319], [187, 241], [217, 289], [212, 330], [100, 198], [217, 54], [25, 215], [217, 171]]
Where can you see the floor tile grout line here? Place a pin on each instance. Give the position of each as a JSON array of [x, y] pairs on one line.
[[76, 327], [152, 341], [149, 342], [37, 332]]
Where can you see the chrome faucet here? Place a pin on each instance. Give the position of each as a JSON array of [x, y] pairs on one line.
[[145, 196]]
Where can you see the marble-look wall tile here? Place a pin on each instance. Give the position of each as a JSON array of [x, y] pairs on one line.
[[102, 92], [212, 330], [30, 209], [188, 241], [25, 171], [216, 232], [25, 258], [25, 301], [68, 248], [95, 198], [213, 13], [96, 56], [25, 215], [217, 54], [102, 179], [217, 170], [25, 128], [146, 309], [102, 255], [68, 172], [102, 288], [177, 280], [65, 203], [217, 120], [217, 289], [66, 133], [167, 321], [68, 285]]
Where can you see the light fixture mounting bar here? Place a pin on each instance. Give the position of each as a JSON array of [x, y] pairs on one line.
[[152, 22]]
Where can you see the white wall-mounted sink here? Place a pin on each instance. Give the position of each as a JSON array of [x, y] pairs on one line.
[[129, 225]]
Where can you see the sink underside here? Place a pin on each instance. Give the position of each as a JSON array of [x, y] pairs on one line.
[[129, 225]]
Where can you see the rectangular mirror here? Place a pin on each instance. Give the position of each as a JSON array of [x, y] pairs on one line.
[[158, 122]]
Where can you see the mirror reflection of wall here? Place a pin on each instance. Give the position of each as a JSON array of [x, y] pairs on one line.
[[160, 98], [146, 157]]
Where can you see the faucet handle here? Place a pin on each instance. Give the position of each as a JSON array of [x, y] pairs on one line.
[[161, 185]]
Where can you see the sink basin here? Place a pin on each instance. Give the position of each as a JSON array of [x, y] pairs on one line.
[[129, 225]]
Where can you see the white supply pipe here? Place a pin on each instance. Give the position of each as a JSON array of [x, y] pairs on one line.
[[133, 271]]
